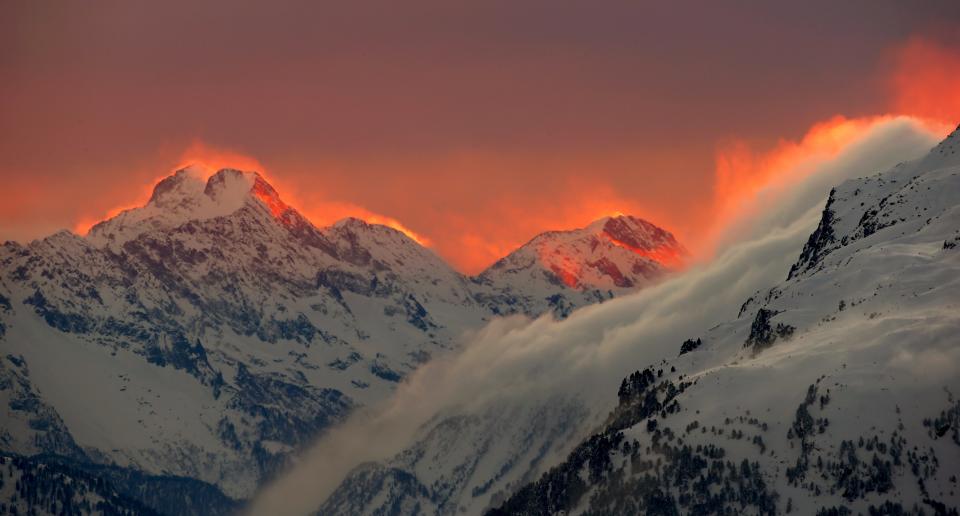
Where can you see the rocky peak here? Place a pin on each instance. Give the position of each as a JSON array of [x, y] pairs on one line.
[[186, 183], [622, 249], [563, 269], [362, 242], [352, 223], [233, 188], [228, 181], [635, 232], [353, 227], [189, 195]]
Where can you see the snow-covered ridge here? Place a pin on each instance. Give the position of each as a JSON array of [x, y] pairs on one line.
[[836, 387], [214, 331], [610, 253], [188, 195], [608, 257], [832, 392], [556, 271]]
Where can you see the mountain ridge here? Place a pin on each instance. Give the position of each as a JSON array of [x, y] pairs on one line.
[[859, 422], [193, 193], [223, 328], [831, 389]]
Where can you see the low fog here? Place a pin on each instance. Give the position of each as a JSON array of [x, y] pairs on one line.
[[518, 361]]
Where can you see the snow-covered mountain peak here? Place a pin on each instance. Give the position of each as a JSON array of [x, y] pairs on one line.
[[232, 188], [832, 392], [215, 321], [385, 248], [184, 184], [612, 252], [563, 269], [360, 241], [641, 237], [230, 184], [352, 223], [366, 229], [189, 195]]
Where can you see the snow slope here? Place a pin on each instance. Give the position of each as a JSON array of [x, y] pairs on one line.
[[833, 390], [214, 331], [265, 329], [565, 373]]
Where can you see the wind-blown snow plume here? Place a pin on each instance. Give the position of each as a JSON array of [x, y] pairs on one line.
[[515, 361], [749, 183]]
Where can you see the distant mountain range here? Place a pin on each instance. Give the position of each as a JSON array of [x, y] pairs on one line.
[[215, 331], [178, 358], [832, 392]]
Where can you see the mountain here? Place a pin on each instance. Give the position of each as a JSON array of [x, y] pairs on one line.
[[215, 329], [213, 332], [831, 390], [611, 256], [860, 344]]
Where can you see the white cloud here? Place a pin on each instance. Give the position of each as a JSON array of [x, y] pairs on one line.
[[518, 361]]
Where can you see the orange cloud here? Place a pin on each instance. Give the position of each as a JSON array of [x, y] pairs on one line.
[[476, 207], [86, 221], [747, 180], [473, 208], [742, 173], [925, 81], [198, 154], [472, 237], [321, 214], [217, 158], [326, 213], [479, 242]]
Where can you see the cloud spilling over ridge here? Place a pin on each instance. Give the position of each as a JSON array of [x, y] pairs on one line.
[[524, 362], [748, 182]]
